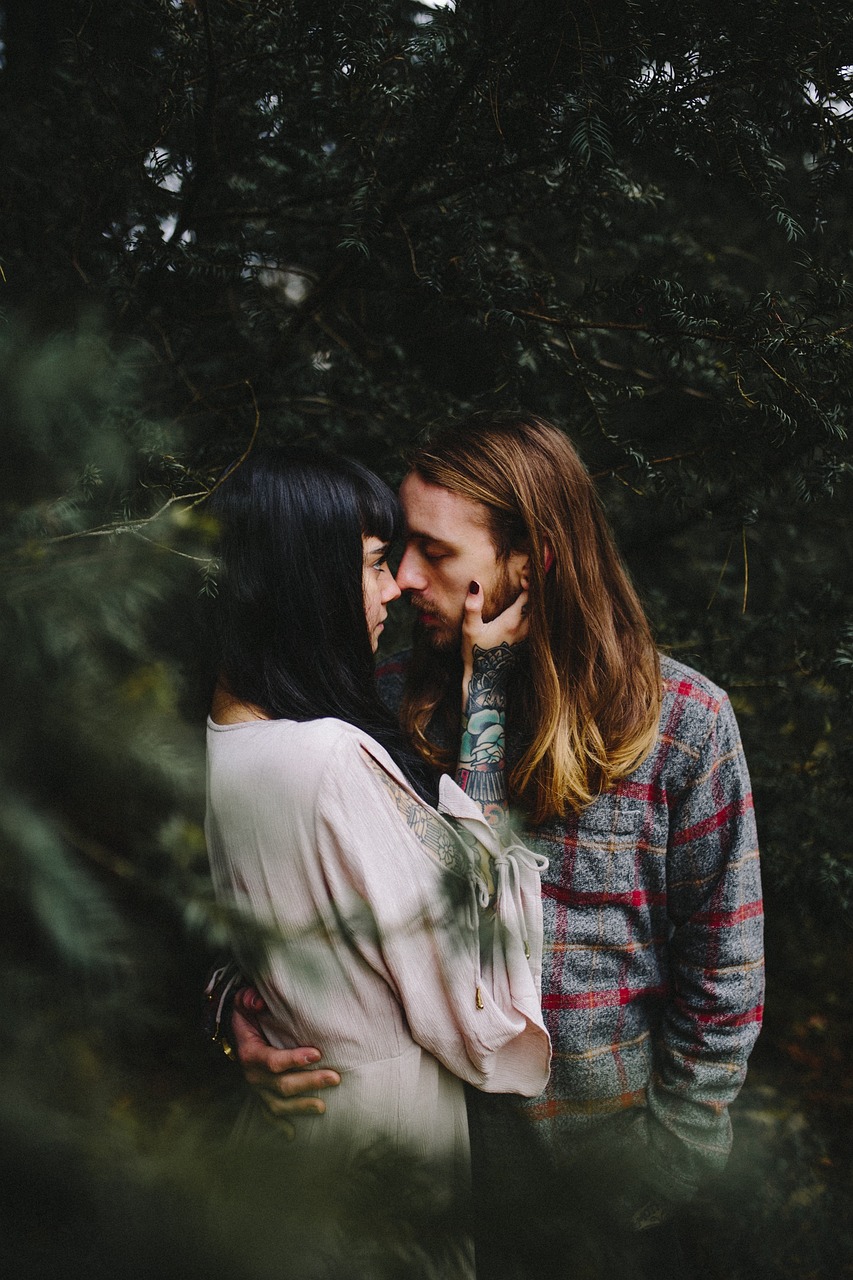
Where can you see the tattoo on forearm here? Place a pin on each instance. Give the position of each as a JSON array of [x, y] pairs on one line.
[[481, 771], [491, 671]]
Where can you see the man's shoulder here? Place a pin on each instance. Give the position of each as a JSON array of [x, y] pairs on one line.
[[396, 665], [689, 697], [683, 685], [695, 713], [390, 678]]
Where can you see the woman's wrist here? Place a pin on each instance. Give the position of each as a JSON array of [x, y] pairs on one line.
[[482, 752], [485, 677]]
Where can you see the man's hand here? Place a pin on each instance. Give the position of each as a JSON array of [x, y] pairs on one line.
[[282, 1078]]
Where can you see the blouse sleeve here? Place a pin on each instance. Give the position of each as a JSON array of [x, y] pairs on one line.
[[466, 974]]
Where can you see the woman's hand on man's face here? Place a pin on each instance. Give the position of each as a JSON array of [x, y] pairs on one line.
[[508, 628]]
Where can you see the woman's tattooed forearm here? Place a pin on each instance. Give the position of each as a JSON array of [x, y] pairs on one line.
[[481, 771], [491, 671]]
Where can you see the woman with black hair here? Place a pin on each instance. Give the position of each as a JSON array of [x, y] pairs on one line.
[[402, 937]]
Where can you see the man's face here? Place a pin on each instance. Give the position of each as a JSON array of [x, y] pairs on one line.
[[448, 546]]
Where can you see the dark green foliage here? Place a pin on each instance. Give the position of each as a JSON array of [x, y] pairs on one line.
[[346, 223]]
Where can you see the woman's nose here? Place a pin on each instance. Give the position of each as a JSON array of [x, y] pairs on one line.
[[392, 590]]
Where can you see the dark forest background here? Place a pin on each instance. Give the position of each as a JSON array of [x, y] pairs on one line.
[[235, 220]]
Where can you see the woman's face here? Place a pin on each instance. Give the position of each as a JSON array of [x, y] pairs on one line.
[[380, 587]]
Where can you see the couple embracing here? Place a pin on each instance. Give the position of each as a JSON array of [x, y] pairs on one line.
[[408, 909]]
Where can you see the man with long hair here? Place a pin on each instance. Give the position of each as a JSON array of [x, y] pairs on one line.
[[625, 769]]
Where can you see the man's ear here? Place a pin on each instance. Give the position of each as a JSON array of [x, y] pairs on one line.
[[524, 567], [547, 556]]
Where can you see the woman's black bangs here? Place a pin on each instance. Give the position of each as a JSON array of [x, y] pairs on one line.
[[379, 510]]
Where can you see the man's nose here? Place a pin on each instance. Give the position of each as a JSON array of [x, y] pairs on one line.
[[410, 577]]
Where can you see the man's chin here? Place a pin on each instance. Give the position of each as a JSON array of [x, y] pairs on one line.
[[438, 636]]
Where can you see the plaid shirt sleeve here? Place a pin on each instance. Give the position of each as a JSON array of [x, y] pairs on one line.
[[713, 1015]]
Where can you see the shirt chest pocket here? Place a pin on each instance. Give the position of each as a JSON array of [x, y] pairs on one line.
[[611, 857]]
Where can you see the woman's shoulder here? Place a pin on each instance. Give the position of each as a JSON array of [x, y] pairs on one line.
[[326, 729], [313, 765], [309, 747], [340, 738], [345, 770]]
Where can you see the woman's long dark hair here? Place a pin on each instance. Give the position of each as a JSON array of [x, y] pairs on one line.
[[292, 634]]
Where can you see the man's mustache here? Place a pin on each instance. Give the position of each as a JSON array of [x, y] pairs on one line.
[[420, 605]]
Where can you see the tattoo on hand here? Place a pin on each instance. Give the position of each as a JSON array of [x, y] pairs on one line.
[[491, 670]]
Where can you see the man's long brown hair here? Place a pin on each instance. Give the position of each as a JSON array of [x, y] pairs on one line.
[[586, 710]]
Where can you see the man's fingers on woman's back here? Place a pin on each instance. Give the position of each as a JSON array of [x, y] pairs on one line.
[[289, 1082], [291, 1106]]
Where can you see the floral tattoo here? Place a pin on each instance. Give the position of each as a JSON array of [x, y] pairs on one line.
[[481, 771], [435, 836]]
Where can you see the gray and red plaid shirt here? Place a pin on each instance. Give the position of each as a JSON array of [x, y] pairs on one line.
[[653, 970]]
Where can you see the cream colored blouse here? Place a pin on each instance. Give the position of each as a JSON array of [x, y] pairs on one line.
[[378, 943]]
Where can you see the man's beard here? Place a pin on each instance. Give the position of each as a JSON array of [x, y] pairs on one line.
[[444, 637], [448, 634]]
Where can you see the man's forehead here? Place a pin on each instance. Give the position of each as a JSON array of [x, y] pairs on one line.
[[435, 512]]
